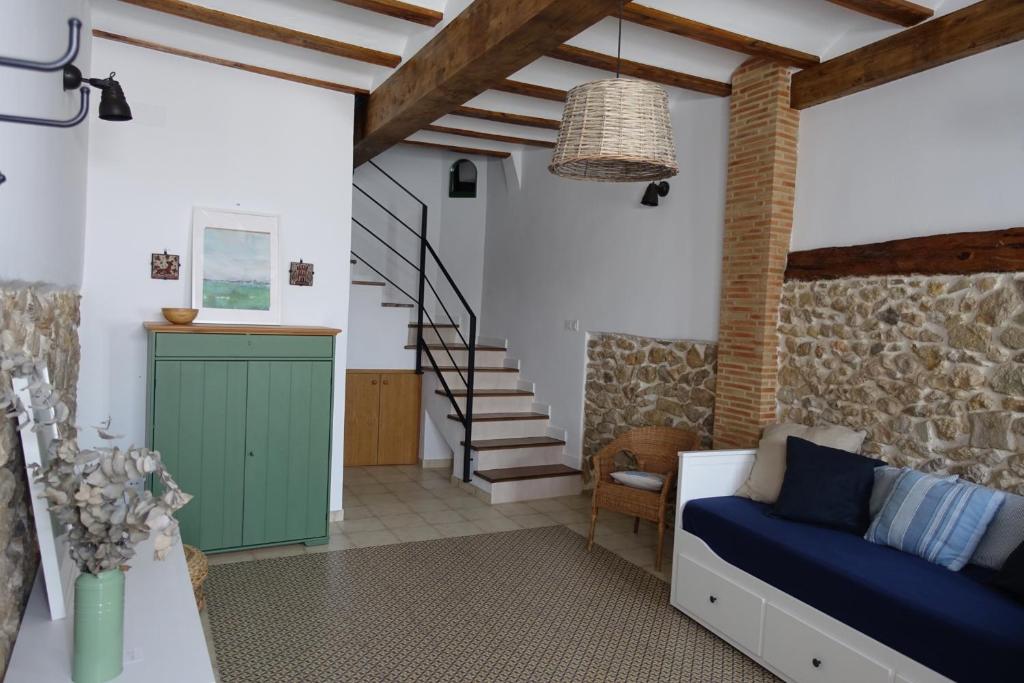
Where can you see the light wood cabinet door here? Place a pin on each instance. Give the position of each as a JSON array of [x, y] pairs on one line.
[[362, 415], [399, 431]]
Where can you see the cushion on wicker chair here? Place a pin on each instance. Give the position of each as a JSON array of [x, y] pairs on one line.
[[648, 481]]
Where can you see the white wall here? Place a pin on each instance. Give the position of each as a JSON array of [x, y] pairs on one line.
[[42, 204], [205, 135], [938, 152], [456, 228], [463, 232], [562, 250]]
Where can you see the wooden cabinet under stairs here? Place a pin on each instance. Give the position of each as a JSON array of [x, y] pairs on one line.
[[382, 417]]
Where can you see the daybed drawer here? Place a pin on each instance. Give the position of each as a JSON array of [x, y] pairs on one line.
[[734, 611], [806, 654]]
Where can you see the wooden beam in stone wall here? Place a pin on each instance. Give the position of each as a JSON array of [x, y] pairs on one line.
[[961, 253]]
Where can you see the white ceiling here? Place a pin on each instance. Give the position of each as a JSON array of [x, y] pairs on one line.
[[815, 26]]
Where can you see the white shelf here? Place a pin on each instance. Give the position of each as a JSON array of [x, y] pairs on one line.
[[164, 641]]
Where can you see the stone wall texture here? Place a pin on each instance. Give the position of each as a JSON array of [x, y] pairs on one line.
[[40, 322], [638, 382], [931, 367], [759, 196]]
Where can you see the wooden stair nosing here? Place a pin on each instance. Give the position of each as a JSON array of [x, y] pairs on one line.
[[368, 283], [502, 417], [395, 304], [514, 442], [506, 474], [485, 393], [449, 368], [458, 347], [446, 326]]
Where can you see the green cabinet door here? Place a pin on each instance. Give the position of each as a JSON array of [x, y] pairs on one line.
[[199, 429], [287, 451]]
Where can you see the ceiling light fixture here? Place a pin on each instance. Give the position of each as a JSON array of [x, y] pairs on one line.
[[615, 130]]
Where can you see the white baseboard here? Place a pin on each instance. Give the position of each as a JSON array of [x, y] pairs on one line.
[[436, 463]]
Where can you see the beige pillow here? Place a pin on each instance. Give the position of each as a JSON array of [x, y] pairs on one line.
[[765, 480]]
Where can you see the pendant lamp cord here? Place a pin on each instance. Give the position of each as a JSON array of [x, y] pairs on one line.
[[618, 59]]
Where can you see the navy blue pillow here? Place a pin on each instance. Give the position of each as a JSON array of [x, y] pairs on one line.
[[1011, 577], [826, 486]]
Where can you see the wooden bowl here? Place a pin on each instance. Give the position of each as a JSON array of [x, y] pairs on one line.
[[180, 316]]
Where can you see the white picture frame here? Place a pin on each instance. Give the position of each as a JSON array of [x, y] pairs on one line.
[[236, 267], [59, 570]]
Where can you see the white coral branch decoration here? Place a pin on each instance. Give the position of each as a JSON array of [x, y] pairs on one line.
[[89, 491]]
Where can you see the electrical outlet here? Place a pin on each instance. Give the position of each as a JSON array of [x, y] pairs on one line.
[[572, 325]]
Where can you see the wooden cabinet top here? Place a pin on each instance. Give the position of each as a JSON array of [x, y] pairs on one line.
[[212, 328]]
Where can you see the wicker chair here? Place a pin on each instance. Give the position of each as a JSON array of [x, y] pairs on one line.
[[656, 450]]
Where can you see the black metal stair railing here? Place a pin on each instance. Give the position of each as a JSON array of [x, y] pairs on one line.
[[426, 251]]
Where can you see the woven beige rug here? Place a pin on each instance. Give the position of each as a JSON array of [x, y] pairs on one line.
[[530, 605]]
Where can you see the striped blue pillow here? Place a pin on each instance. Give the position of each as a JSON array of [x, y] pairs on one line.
[[935, 518]]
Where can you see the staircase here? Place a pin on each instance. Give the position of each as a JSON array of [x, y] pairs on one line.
[[502, 441]]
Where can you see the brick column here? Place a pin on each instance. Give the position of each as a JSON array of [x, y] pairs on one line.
[[758, 222]]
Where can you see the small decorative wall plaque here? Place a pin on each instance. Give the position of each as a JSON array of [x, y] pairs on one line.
[[165, 266], [301, 274]]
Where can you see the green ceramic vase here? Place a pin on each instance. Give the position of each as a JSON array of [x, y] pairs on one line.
[[99, 627]]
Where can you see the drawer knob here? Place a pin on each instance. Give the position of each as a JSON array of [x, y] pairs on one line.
[[816, 662], [712, 599]]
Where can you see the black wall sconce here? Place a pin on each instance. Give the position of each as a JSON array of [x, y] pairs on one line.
[[113, 106], [653, 191]]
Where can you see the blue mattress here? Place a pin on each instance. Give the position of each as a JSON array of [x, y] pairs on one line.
[[951, 622]]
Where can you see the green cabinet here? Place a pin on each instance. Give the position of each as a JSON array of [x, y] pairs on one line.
[[243, 422]]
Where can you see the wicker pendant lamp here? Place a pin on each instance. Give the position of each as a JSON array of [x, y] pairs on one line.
[[615, 130]]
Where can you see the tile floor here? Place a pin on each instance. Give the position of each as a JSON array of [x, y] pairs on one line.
[[396, 504]]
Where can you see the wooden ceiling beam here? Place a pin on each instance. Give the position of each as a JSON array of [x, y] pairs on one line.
[[976, 28], [507, 117], [900, 12], [457, 149], [509, 139], [399, 10], [961, 253], [230, 63], [541, 92], [262, 29], [482, 46], [705, 33], [655, 74]]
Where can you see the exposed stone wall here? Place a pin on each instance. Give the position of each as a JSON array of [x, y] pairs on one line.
[[33, 321], [638, 382], [931, 367], [759, 197]]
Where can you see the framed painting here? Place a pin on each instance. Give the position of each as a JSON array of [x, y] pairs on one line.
[[236, 274]]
